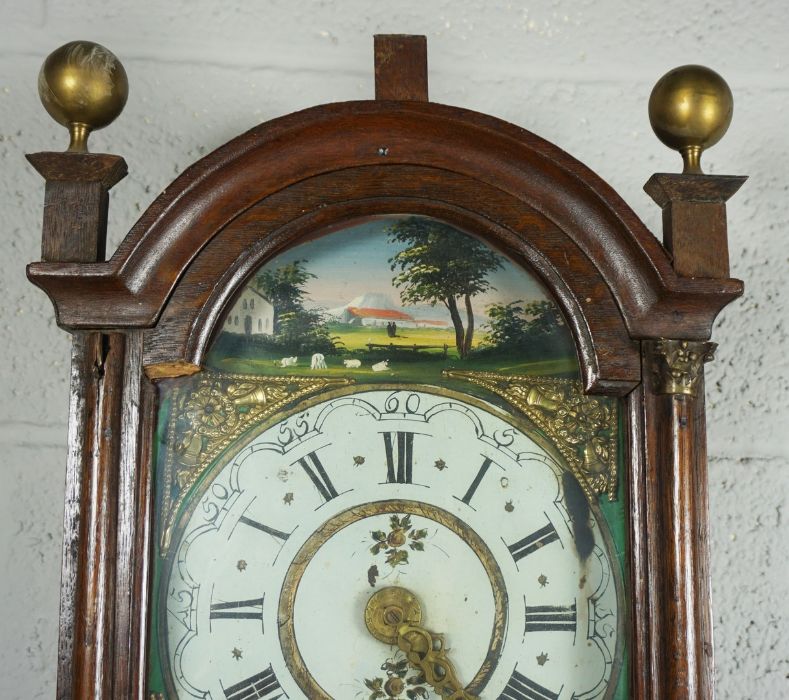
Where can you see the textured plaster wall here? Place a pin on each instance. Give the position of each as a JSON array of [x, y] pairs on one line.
[[577, 72]]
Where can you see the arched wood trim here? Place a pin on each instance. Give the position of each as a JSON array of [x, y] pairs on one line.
[[326, 202], [132, 289]]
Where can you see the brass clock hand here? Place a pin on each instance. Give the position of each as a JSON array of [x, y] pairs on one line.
[[393, 615]]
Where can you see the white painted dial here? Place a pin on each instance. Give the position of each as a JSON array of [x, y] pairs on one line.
[[274, 566]]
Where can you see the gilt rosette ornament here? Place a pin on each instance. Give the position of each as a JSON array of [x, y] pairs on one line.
[[209, 414]]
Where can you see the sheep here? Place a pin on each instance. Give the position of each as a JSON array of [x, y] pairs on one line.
[[352, 364], [288, 361], [381, 366], [318, 361]]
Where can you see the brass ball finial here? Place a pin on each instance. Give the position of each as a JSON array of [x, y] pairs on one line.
[[84, 87], [690, 109]]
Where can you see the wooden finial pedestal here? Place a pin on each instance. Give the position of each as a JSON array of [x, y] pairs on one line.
[[694, 220], [75, 203]]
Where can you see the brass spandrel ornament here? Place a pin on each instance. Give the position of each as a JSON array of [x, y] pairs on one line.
[[211, 413], [583, 428]]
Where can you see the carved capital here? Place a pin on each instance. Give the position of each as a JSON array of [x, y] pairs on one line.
[[582, 428], [676, 365]]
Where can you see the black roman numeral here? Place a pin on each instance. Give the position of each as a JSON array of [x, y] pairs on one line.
[[521, 688], [264, 528], [477, 481], [238, 610], [550, 618], [318, 476], [405, 457], [531, 543], [261, 685]]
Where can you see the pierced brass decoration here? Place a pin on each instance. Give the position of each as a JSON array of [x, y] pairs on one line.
[[393, 616], [676, 365], [583, 428], [211, 413]]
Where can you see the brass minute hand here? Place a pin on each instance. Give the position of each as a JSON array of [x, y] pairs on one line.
[[393, 615]]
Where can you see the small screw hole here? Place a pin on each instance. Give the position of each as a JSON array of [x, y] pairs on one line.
[[383, 151]]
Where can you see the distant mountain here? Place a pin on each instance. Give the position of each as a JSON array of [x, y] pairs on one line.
[[381, 300], [373, 300]]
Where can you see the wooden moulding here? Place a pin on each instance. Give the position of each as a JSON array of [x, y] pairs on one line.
[[336, 198], [341, 144]]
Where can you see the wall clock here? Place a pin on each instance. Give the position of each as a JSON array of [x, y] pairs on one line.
[[385, 400]]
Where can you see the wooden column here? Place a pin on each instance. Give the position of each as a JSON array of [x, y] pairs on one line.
[[675, 503], [74, 231]]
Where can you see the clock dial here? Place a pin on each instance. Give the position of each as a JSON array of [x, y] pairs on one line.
[[441, 495]]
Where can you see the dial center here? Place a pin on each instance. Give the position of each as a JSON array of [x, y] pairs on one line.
[[388, 609], [333, 618]]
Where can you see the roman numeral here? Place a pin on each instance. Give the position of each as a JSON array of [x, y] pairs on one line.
[[261, 685], [531, 543], [550, 618], [405, 457], [477, 481], [264, 528], [318, 476], [238, 610], [521, 688]]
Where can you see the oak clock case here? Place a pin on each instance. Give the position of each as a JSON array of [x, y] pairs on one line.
[[377, 487], [290, 477]]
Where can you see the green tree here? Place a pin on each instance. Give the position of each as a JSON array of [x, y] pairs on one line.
[[439, 264], [536, 328], [284, 288], [296, 329]]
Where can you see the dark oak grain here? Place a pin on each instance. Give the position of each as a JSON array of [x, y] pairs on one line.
[[75, 203], [400, 67], [677, 547], [694, 220]]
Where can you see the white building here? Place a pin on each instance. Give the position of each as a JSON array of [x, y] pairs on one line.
[[252, 314]]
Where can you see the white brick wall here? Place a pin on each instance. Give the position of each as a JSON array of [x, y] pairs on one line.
[[577, 72]]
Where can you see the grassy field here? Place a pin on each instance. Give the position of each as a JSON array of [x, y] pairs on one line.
[[355, 338], [405, 365]]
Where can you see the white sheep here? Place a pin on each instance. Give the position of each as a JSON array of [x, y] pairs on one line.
[[381, 366], [318, 361], [288, 361], [352, 364]]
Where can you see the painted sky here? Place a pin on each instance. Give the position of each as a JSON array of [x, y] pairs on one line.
[[354, 261]]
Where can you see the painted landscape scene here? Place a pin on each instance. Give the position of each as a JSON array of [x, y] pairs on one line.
[[393, 299]]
